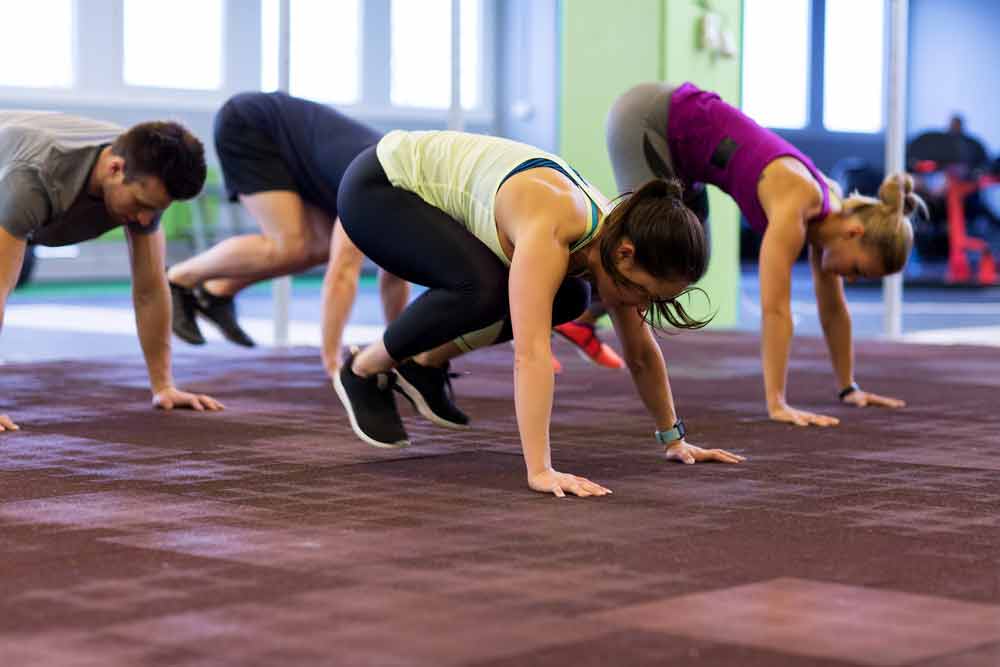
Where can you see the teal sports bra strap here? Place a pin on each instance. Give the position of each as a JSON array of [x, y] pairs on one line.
[[538, 162]]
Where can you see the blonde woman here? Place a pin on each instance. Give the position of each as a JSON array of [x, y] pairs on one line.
[[656, 129]]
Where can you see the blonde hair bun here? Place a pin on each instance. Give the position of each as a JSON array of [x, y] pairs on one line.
[[896, 193]]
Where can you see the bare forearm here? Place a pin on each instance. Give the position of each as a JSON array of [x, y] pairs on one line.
[[649, 375], [533, 386], [837, 331], [152, 314], [776, 343]]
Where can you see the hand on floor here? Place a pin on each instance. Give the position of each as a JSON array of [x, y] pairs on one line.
[[687, 453], [171, 398], [558, 483], [790, 415], [7, 425], [864, 399]]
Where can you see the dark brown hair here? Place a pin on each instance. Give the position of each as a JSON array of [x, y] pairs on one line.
[[669, 242], [166, 151]]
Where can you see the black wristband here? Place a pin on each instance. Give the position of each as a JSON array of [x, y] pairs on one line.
[[848, 390]]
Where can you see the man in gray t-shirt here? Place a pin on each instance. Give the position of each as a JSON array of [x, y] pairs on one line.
[[65, 179]]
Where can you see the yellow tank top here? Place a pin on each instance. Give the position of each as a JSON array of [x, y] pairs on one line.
[[460, 174]]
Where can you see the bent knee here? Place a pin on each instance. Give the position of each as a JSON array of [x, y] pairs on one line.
[[318, 253], [489, 305], [290, 253]]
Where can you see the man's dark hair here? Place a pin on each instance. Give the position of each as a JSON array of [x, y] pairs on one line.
[[167, 151]]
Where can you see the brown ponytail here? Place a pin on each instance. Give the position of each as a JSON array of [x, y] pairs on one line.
[[670, 244]]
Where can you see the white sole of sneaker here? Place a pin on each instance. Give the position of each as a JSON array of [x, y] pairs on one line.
[[420, 405], [338, 387]]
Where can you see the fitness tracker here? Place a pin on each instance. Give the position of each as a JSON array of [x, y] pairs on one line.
[[676, 433]]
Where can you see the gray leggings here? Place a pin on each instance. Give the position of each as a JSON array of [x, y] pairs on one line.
[[637, 144], [637, 135]]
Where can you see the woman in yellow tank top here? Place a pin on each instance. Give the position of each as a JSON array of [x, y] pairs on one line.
[[509, 240]]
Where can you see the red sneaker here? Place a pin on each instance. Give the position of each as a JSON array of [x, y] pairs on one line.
[[588, 345]]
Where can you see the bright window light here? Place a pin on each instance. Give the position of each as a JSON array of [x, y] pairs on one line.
[[325, 50], [471, 66], [853, 65], [421, 53], [176, 48], [324, 53], [37, 43], [270, 18], [776, 61]]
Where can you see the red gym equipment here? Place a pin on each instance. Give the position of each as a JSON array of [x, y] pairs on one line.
[[961, 158], [959, 242]]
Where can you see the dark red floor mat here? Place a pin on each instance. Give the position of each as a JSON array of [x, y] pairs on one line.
[[269, 535]]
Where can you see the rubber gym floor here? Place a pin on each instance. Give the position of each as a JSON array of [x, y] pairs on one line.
[[268, 535]]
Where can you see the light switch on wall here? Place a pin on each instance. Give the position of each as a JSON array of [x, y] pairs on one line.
[[710, 33]]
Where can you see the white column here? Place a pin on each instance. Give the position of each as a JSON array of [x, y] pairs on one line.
[[895, 147], [281, 288], [456, 117]]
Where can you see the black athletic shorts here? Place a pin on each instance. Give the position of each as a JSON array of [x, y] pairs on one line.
[[251, 160]]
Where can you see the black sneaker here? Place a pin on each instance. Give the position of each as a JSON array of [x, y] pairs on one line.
[[221, 311], [182, 319], [429, 390], [371, 407]]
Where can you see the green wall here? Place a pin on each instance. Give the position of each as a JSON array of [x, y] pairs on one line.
[[609, 47], [605, 51]]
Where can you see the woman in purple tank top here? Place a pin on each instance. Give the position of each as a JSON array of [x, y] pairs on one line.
[[657, 130]]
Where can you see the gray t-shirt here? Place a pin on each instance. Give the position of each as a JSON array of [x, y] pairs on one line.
[[45, 164]]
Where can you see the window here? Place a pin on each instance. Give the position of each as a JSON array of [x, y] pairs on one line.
[[193, 54], [270, 20], [179, 48], [26, 25], [776, 62], [469, 52], [420, 61], [853, 62], [325, 50]]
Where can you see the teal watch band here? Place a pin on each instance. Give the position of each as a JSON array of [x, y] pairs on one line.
[[674, 434]]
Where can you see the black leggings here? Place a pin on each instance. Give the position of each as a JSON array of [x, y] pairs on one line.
[[406, 236]]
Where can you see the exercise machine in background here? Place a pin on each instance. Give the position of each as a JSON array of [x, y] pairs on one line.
[[963, 165]]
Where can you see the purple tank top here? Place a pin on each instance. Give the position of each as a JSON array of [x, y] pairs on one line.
[[713, 142]]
